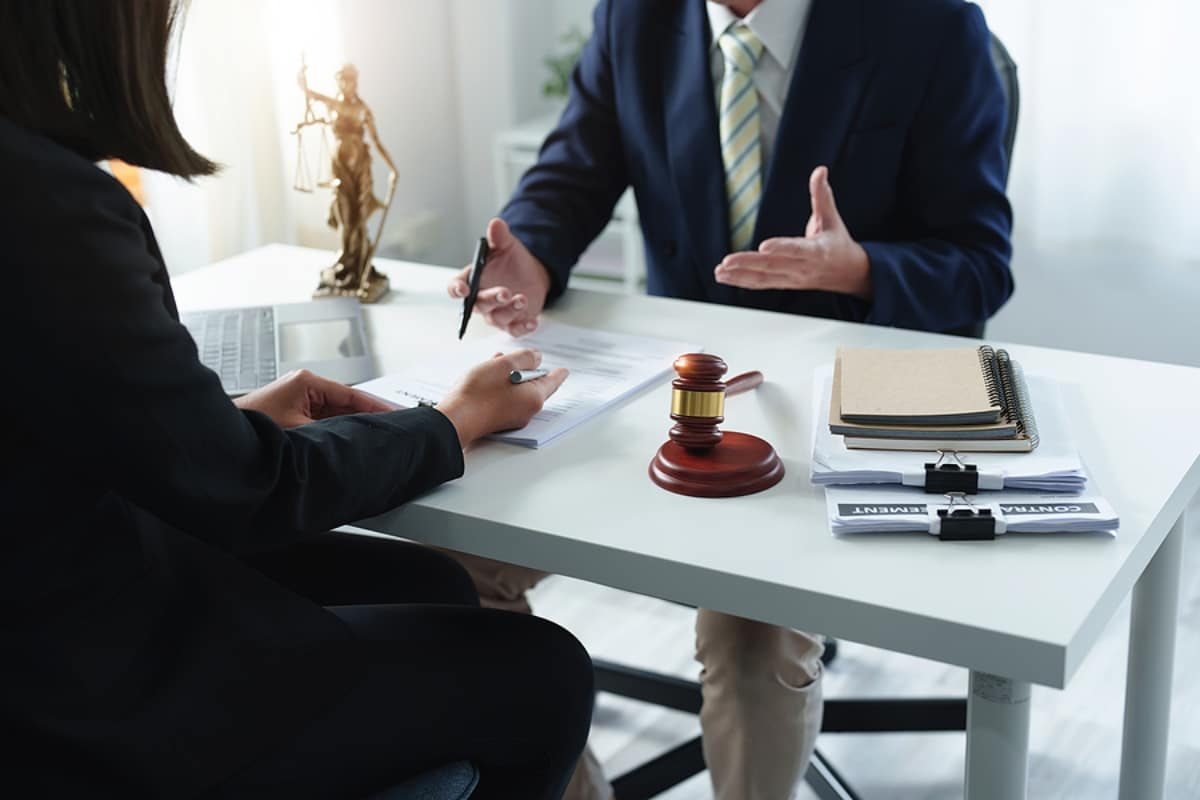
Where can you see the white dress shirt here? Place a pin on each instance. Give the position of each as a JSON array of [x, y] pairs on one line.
[[779, 25]]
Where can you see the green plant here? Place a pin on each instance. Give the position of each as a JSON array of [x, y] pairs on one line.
[[560, 66]]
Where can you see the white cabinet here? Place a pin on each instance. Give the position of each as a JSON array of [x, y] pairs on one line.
[[616, 260]]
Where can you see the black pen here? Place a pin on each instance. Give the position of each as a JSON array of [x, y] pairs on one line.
[[481, 254]]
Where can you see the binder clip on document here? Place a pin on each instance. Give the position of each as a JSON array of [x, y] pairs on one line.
[[963, 521], [944, 476]]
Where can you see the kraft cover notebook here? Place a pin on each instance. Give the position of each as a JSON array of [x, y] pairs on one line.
[[1004, 384], [1002, 429], [937, 386]]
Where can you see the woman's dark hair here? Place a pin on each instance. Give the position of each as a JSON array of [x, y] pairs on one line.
[[91, 74]]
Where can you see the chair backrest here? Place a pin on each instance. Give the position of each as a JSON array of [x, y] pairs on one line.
[[1006, 68]]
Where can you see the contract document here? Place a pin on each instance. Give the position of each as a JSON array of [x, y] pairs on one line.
[[605, 369], [901, 509]]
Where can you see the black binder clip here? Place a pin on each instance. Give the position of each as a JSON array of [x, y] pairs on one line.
[[942, 476], [962, 521]]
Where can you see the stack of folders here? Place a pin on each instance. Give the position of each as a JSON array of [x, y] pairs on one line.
[[968, 399]]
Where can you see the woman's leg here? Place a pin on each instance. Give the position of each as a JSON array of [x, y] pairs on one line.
[[509, 692], [506, 586], [342, 569]]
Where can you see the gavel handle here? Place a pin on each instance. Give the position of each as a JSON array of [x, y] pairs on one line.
[[743, 383]]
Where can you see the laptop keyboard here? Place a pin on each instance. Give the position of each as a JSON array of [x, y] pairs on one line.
[[238, 344]]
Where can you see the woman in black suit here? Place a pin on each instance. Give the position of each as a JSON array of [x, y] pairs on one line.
[[173, 621]]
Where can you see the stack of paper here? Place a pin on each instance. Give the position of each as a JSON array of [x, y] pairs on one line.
[[605, 369], [902, 510], [1054, 467]]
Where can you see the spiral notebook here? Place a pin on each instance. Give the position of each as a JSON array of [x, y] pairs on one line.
[[925, 399], [935, 386]]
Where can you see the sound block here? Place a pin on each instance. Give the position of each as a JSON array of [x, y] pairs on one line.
[[741, 464]]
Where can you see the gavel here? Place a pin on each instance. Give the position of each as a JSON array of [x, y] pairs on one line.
[[700, 459], [698, 399]]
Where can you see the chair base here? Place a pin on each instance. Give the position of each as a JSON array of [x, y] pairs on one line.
[[884, 715]]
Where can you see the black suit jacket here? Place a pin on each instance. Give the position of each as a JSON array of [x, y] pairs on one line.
[[140, 656]]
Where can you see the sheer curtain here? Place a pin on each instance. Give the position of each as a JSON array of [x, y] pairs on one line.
[[234, 84], [1108, 141], [1105, 181]]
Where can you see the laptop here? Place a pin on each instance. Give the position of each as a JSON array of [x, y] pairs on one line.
[[250, 347]]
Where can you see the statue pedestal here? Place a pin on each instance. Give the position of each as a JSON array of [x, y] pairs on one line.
[[740, 464], [374, 288]]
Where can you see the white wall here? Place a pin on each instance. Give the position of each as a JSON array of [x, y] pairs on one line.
[[406, 59], [498, 86]]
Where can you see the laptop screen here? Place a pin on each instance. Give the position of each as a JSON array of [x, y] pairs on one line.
[[319, 340]]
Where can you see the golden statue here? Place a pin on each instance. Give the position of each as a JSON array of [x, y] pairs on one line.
[[354, 199]]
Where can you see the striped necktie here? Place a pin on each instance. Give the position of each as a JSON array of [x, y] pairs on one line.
[[739, 129]]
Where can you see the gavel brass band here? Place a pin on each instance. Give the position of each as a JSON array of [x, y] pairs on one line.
[[688, 403]]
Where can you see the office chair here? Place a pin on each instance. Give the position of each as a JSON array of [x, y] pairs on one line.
[[892, 715], [452, 782]]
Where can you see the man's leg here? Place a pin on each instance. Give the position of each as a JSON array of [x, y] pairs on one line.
[[504, 586], [762, 705]]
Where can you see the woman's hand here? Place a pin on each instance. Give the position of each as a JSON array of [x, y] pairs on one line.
[[301, 397], [486, 401]]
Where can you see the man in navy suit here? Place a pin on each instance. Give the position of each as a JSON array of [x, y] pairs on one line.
[[732, 121]]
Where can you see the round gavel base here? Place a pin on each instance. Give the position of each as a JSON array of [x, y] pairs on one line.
[[741, 464]]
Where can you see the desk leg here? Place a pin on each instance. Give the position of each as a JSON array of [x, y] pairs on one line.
[[997, 737], [1152, 623]]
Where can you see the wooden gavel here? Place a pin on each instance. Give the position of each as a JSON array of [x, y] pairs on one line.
[[698, 399], [701, 460]]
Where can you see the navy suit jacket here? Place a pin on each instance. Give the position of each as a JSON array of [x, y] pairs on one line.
[[898, 97]]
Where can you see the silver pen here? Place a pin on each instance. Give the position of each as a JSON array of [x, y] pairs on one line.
[[522, 375]]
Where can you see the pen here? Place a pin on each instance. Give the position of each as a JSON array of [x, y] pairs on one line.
[[522, 375], [481, 254]]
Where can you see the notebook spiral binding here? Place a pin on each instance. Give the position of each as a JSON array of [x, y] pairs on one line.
[[1014, 384], [990, 368]]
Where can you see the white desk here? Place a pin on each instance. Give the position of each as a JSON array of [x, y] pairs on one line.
[[1026, 608]]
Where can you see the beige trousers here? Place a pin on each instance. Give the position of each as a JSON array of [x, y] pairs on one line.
[[761, 686]]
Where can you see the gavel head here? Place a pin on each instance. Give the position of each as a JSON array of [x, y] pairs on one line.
[[698, 401]]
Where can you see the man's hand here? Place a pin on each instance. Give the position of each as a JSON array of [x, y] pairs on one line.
[[301, 397], [825, 258], [486, 401], [514, 286]]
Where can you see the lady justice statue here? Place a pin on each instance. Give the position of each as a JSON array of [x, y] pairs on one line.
[[354, 199]]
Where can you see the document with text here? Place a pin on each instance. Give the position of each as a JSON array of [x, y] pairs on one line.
[[605, 368], [902, 509]]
